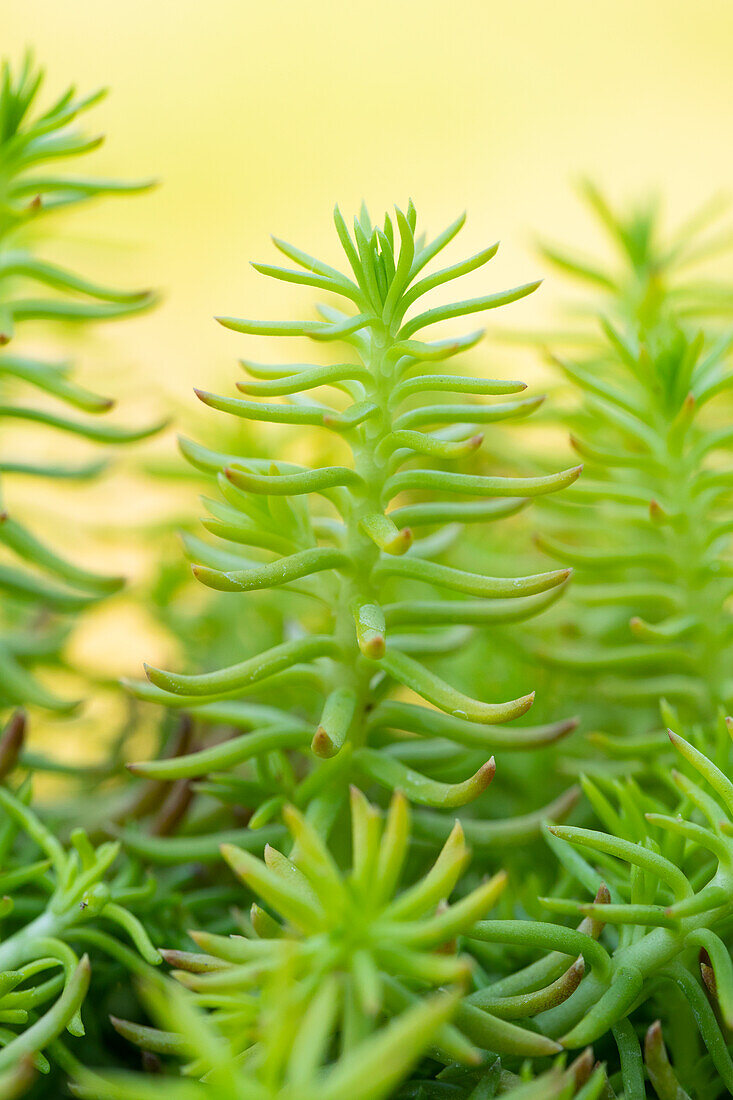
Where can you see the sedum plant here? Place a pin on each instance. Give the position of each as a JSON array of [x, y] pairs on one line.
[[350, 694], [34, 579], [380, 601], [648, 529], [289, 1060], [654, 471], [381, 947], [665, 904], [71, 895], [286, 1061]]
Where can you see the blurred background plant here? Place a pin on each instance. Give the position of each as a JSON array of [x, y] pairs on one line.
[[643, 386], [39, 585]]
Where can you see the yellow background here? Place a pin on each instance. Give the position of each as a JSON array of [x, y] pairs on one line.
[[257, 117]]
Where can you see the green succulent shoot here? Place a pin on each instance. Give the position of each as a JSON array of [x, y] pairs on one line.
[[648, 528], [343, 536], [290, 1058], [381, 946], [663, 884], [66, 896], [656, 473], [33, 289]]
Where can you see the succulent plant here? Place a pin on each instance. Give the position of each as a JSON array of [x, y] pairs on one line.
[[665, 893], [382, 947], [352, 552], [647, 528], [289, 1060], [30, 189], [656, 474], [69, 895]]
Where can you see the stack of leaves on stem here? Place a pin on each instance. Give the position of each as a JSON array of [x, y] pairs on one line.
[[34, 579], [647, 530], [380, 949], [380, 602]]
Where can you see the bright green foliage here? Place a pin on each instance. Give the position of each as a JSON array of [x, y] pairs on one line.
[[285, 1064], [648, 528], [381, 947], [669, 883], [68, 895], [342, 536], [286, 1061], [651, 536], [31, 188]]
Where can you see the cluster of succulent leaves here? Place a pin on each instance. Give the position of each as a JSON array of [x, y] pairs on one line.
[[312, 888]]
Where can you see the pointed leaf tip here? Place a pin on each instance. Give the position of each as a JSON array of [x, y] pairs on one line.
[[485, 774], [155, 675]]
